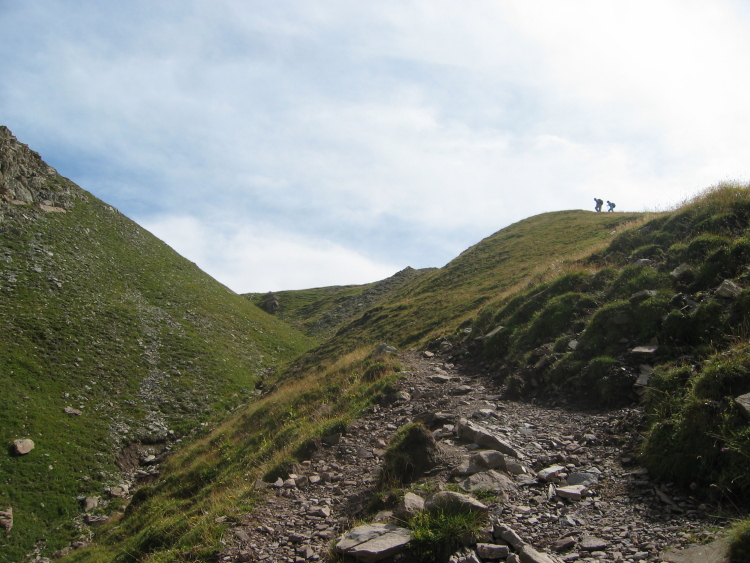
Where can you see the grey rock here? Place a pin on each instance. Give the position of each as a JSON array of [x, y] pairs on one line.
[[451, 500], [492, 551], [373, 542], [550, 473], [321, 511], [582, 478], [572, 492], [647, 351], [409, 506], [72, 411], [592, 543], [466, 430], [508, 535], [743, 401], [95, 520], [464, 556], [384, 349], [90, 503], [489, 481], [440, 378], [728, 289], [573, 345], [119, 491], [461, 390], [488, 459], [491, 333], [679, 270], [23, 446], [642, 262]]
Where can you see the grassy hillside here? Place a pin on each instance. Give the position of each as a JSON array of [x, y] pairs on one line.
[[320, 312], [99, 316], [435, 303]]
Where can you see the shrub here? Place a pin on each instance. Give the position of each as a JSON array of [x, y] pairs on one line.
[[411, 452], [437, 534], [375, 371]]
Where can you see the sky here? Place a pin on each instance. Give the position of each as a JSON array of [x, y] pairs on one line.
[[289, 144]]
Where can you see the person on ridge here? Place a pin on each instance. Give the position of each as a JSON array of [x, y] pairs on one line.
[[611, 206], [598, 206]]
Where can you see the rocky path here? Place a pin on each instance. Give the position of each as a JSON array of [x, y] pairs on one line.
[[615, 514]]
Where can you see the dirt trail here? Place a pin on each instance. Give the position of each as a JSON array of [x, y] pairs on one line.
[[632, 518]]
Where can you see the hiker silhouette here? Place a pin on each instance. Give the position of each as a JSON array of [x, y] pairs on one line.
[[611, 206], [598, 206]]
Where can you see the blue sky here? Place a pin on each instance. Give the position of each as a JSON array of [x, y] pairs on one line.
[[292, 144]]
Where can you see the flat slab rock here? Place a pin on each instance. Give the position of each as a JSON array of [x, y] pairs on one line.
[[373, 542]]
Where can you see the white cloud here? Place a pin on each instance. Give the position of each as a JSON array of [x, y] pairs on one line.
[[259, 258], [400, 132]]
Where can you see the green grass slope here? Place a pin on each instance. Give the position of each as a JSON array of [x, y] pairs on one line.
[[98, 315], [433, 304], [320, 312]]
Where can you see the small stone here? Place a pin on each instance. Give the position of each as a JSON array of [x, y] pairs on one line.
[[563, 544], [572, 492], [492, 551], [72, 411], [23, 446], [728, 289], [410, 505], [743, 401], [321, 511], [550, 473], [592, 543], [648, 351], [90, 503]]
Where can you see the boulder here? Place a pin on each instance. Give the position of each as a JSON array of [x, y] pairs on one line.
[[409, 506], [23, 446], [466, 430], [492, 551], [373, 542], [592, 543], [90, 503], [550, 473], [572, 492], [728, 290], [489, 481], [743, 401]]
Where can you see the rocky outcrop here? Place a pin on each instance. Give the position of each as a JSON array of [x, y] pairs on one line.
[[25, 179]]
